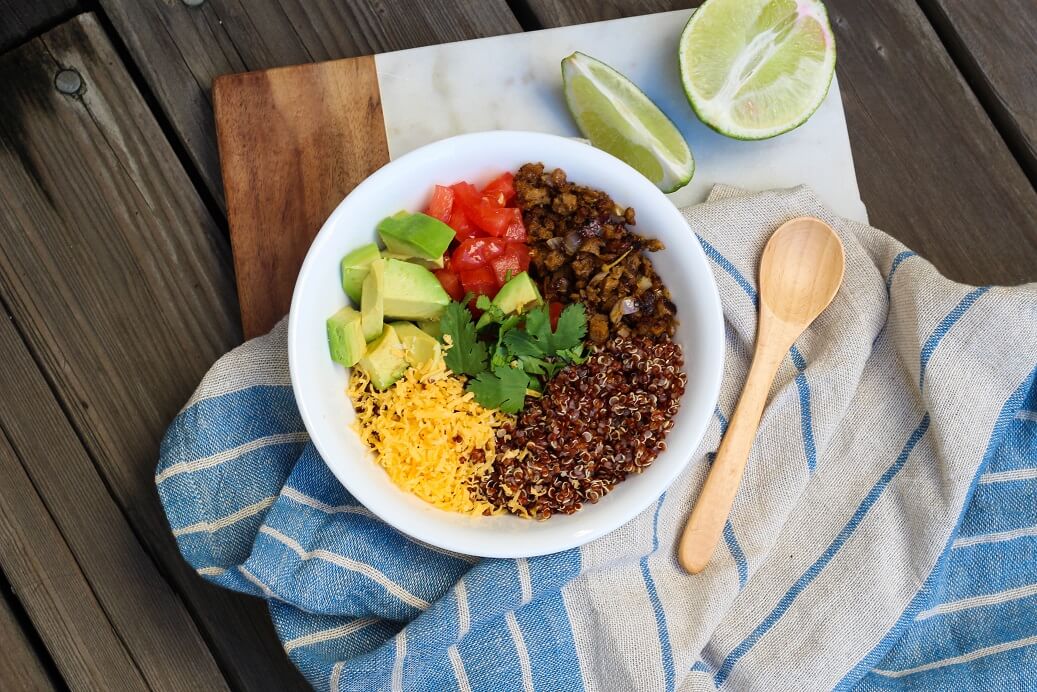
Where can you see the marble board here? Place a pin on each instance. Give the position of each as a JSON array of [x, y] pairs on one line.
[[295, 140]]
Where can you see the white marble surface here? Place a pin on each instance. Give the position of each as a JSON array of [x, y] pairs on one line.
[[514, 82]]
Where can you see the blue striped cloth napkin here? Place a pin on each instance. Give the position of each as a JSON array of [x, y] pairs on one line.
[[885, 535]]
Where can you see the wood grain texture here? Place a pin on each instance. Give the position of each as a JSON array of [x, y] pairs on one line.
[[932, 169], [52, 589], [149, 617], [20, 20], [995, 44], [119, 281], [180, 50], [322, 133], [20, 666]]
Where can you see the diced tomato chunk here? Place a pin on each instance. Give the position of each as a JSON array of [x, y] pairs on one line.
[[554, 310], [441, 206], [483, 211], [501, 190], [451, 283], [516, 230], [480, 281], [475, 253], [512, 262], [463, 228], [465, 195]]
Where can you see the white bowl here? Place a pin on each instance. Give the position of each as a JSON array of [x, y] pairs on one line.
[[320, 384]]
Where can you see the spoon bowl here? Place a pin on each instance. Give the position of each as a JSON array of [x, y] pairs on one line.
[[793, 291], [800, 272]]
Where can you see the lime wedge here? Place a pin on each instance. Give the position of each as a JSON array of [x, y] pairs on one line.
[[754, 69], [617, 116]]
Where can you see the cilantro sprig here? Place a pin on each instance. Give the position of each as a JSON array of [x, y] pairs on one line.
[[518, 360]]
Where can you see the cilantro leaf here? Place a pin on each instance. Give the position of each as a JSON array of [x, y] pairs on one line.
[[572, 328], [573, 355], [521, 343], [466, 355], [504, 388], [533, 365]]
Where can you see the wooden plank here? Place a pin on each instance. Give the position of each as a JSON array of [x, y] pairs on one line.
[[54, 592], [995, 44], [181, 49], [20, 666], [119, 281], [322, 134], [932, 169], [20, 20], [149, 617]]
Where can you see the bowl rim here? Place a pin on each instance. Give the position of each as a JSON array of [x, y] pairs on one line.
[[710, 386]]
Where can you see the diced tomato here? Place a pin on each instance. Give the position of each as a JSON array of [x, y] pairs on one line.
[[501, 190], [512, 262], [451, 283], [442, 203], [465, 195], [475, 253], [480, 281], [516, 230], [493, 220], [554, 309], [483, 211], [463, 228]]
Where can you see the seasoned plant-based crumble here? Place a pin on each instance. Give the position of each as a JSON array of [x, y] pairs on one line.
[[582, 250]]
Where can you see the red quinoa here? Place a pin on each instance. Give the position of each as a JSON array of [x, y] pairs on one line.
[[595, 424]]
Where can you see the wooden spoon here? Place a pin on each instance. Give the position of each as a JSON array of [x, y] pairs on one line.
[[800, 272]]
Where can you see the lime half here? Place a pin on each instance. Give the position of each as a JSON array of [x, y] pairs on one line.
[[617, 116], [754, 69]]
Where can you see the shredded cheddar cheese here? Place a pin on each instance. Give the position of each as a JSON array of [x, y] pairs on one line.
[[423, 430]]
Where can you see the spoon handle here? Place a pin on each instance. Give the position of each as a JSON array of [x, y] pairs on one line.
[[706, 523]]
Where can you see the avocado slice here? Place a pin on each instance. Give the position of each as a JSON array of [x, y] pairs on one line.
[[424, 262], [412, 292], [371, 300], [518, 295], [415, 235], [346, 337], [355, 266], [418, 347], [384, 362], [431, 327]]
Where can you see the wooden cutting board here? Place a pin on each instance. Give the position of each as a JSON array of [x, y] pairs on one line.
[[294, 141]]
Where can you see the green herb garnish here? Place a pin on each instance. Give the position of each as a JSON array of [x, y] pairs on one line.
[[466, 355], [524, 354]]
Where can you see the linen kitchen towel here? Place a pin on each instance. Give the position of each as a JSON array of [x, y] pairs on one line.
[[884, 537]]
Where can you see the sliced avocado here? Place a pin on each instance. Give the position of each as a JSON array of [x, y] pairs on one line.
[[427, 263], [415, 235], [384, 362], [355, 266], [371, 300], [412, 292], [431, 327], [346, 337], [418, 347], [518, 295]]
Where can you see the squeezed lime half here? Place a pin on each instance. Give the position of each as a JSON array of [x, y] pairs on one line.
[[753, 69], [617, 116]]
